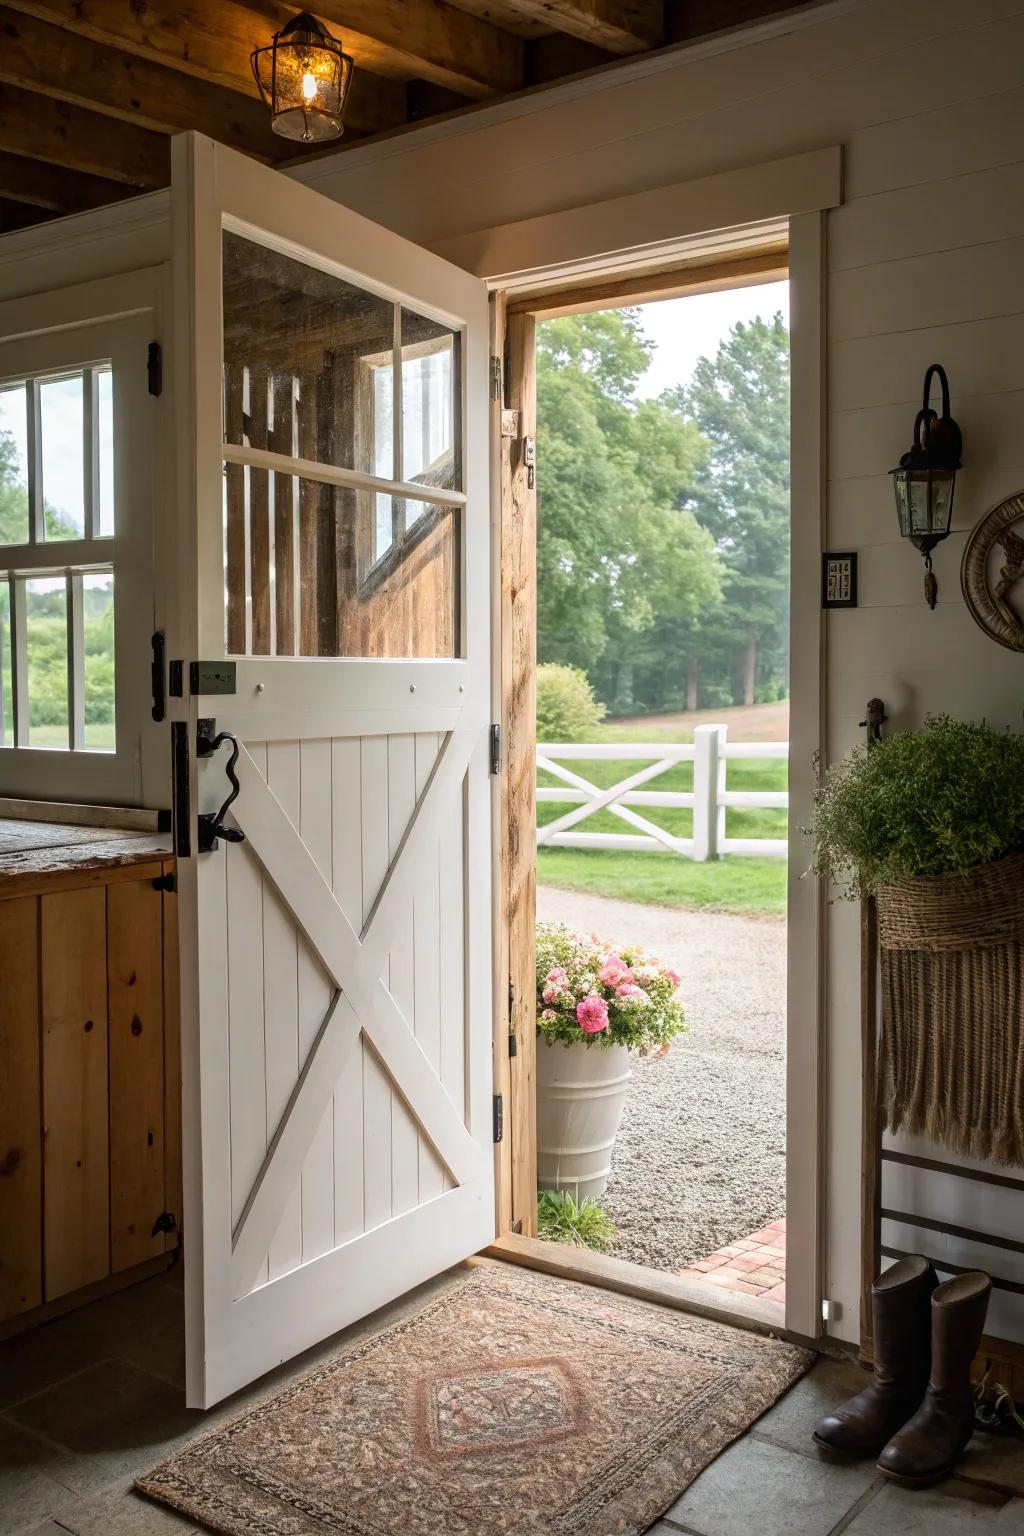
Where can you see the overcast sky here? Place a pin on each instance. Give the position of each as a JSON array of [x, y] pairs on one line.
[[686, 329]]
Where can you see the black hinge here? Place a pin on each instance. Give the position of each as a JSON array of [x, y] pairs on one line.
[[495, 748], [155, 368], [499, 1117], [164, 883], [182, 821], [157, 674], [165, 1222], [497, 377]]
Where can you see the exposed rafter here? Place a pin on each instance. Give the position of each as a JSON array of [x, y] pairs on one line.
[[52, 187], [82, 141], [211, 42], [428, 40], [40, 57], [621, 26]]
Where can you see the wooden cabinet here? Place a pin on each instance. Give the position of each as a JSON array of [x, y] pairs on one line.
[[89, 1080]]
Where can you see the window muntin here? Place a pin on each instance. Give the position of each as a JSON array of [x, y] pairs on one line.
[[56, 619], [338, 402]]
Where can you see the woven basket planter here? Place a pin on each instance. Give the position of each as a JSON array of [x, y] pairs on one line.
[[952, 950]]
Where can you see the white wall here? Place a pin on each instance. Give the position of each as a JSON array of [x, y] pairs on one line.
[[925, 262]]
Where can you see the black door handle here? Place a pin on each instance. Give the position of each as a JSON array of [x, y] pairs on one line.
[[211, 823]]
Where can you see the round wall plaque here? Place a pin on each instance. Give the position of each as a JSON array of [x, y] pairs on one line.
[[992, 566]]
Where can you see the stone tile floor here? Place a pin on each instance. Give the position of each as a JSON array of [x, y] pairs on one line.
[[750, 1266], [92, 1399]]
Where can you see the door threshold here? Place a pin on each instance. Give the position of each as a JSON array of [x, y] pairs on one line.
[[612, 1274]]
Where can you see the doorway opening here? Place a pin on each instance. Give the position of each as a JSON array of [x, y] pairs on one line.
[[660, 771]]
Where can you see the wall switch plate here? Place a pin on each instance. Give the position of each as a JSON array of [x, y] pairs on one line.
[[839, 580]]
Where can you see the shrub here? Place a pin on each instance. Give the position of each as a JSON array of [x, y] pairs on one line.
[[936, 801], [589, 993], [584, 1224], [566, 707]]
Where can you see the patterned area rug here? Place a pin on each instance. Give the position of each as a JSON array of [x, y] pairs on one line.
[[512, 1403]]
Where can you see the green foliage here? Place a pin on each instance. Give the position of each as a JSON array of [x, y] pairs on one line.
[[566, 707], [936, 801], [583, 1224], [739, 399], [631, 996], [617, 545], [46, 623], [663, 526]]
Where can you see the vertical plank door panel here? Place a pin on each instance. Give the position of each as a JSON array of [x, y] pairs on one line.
[[315, 993], [347, 858], [135, 1004], [401, 804], [172, 1063], [246, 1027], [453, 955], [377, 1192], [76, 1195], [281, 971], [427, 963], [21, 1174]]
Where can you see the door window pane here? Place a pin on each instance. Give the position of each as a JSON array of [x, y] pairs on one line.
[[98, 660], [14, 522], [46, 652], [105, 448], [307, 361], [302, 576], [6, 680], [61, 430], [430, 404]]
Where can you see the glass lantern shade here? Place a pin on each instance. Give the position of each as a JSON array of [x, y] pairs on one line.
[[924, 504], [304, 77]]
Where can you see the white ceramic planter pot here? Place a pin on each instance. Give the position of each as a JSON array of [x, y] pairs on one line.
[[581, 1093]]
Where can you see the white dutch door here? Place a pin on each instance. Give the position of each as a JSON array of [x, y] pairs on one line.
[[334, 538]]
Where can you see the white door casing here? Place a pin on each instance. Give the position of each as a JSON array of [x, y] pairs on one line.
[[336, 986]]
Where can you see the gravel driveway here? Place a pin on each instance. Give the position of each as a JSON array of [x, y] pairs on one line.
[[700, 1157]]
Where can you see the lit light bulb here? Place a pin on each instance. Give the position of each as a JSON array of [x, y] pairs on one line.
[[308, 86]]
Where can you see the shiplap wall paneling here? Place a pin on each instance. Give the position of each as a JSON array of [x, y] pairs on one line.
[[136, 1009], [76, 1245], [21, 1174]]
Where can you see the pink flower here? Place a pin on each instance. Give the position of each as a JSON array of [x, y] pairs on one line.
[[672, 976], [631, 990], [614, 971], [556, 974], [551, 994], [592, 1014], [548, 1013]]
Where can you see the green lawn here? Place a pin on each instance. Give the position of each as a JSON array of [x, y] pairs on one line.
[[733, 884]]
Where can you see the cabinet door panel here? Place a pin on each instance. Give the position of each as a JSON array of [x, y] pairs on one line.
[[21, 1175]]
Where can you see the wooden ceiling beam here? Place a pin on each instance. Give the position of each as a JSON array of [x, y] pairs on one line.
[[620, 26], [212, 42], [54, 131], [50, 186], [14, 215], [428, 40], [40, 57]]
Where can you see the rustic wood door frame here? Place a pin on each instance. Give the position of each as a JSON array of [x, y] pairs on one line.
[[516, 313]]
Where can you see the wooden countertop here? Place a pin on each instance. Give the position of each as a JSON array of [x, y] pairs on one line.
[[35, 855]]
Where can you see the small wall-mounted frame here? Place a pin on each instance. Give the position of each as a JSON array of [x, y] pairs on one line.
[[839, 580]]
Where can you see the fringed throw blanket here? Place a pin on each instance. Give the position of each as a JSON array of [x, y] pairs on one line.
[[952, 1066]]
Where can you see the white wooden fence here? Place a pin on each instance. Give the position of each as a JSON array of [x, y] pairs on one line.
[[710, 754]]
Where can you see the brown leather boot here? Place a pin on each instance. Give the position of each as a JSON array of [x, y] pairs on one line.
[[902, 1344], [930, 1444]]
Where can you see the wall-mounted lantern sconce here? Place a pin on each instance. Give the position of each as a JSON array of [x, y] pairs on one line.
[[305, 81], [926, 476]]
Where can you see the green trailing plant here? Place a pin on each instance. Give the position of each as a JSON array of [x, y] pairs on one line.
[[583, 1223], [937, 801]]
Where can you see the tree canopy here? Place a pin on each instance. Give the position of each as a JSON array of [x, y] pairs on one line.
[[663, 525]]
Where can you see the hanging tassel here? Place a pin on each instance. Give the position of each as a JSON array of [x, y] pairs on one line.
[[931, 586]]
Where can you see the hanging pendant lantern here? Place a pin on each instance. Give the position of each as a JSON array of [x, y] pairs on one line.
[[925, 478], [304, 78]]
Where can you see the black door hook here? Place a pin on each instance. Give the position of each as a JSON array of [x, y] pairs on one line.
[[211, 824]]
